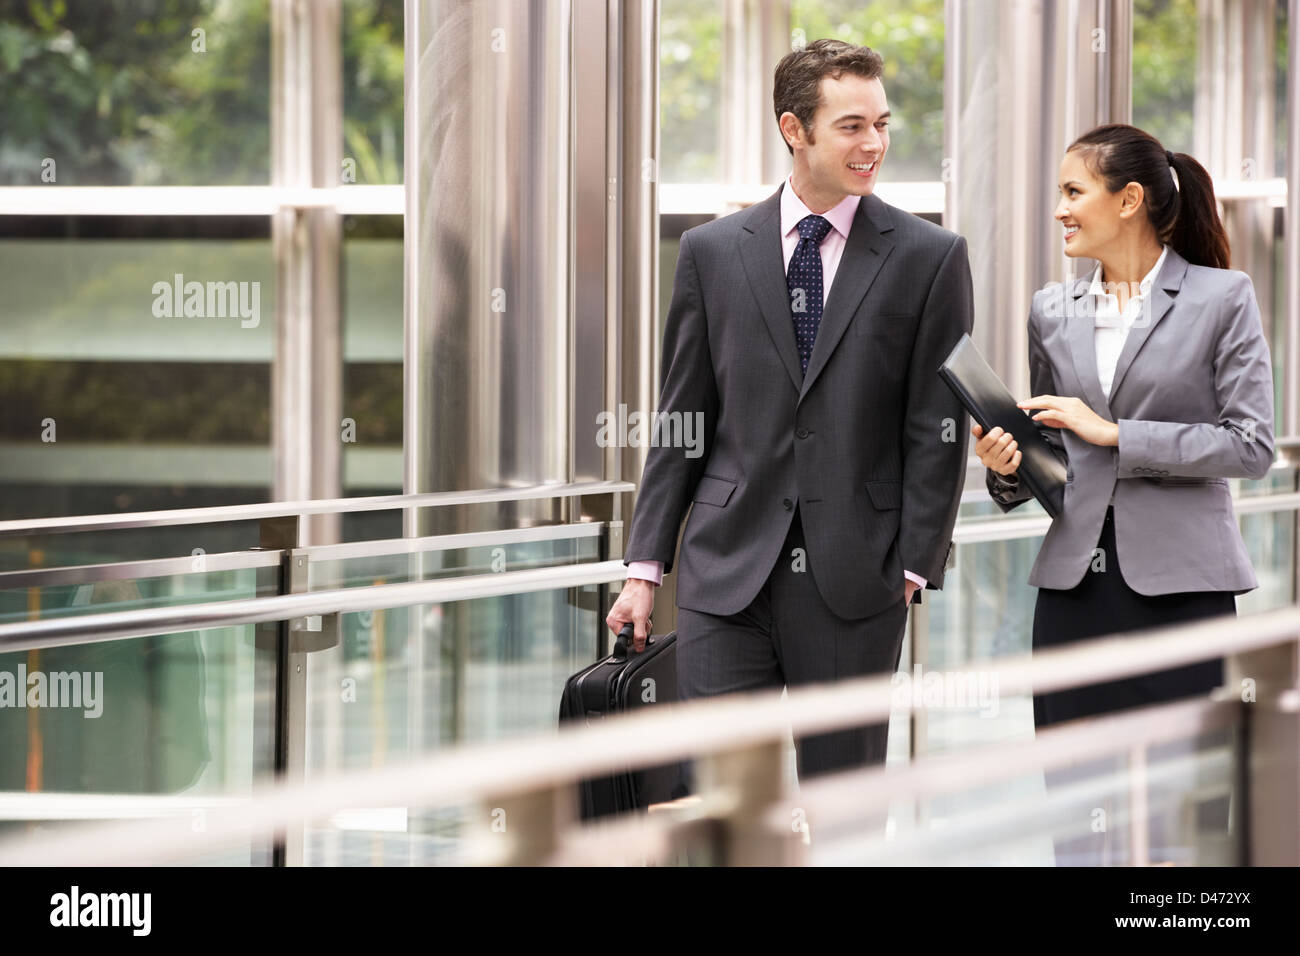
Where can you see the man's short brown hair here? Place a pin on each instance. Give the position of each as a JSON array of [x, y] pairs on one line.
[[797, 85]]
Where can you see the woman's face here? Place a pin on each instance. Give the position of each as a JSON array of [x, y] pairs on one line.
[[1089, 212]]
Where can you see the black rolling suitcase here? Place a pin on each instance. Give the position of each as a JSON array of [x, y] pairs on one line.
[[623, 682]]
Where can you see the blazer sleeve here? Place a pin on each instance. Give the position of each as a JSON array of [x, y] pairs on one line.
[[1240, 444], [689, 388], [1007, 491], [934, 469]]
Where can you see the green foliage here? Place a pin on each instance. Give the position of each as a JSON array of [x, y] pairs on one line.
[[690, 90], [373, 61], [1165, 70], [123, 92], [115, 92], [909, 36]]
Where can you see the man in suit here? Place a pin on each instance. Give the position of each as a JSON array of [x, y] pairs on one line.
[[805, 333]]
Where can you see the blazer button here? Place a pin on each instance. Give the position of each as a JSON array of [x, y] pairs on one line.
[[801, 432], [787, 503]]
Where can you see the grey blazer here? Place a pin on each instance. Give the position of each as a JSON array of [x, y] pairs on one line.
[[866, 442], [1193, 396]]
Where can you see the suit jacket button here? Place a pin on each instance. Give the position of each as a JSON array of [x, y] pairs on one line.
[[787, 503], [801, 432]]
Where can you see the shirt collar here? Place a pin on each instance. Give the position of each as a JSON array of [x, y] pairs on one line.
[[793, 211], [1095, 287]]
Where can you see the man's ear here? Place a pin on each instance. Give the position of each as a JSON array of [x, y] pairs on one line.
[[791, 128]]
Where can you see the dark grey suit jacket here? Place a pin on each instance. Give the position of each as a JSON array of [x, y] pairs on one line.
[[1193, 396], [869, 442]]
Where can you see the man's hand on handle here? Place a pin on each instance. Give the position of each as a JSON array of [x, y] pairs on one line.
[[635, 603]]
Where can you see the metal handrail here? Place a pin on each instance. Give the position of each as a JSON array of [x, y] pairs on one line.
[[242, 560], [652, 737], [282, 509], [120, 625]]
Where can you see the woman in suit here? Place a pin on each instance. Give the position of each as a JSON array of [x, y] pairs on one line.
[[1152, 380]]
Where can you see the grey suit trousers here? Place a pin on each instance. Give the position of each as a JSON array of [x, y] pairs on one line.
[[787, 636]]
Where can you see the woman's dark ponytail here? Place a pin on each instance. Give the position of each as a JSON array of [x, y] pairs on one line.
[[1179, 192], [1197, 234]]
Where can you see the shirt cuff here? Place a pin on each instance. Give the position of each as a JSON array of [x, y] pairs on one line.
[[652, 571], [916, 578]]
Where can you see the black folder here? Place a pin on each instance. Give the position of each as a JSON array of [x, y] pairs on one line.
[[991, 404]]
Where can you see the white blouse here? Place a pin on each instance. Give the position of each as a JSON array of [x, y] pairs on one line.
[[1112, 326]]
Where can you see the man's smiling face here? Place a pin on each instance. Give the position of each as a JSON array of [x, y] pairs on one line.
[[842, 153]]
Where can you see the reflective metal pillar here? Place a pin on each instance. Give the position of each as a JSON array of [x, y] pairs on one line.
[[306, 150], [1290, 419], [488, 248]]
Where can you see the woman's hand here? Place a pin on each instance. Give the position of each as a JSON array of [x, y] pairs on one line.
[[997, 450], [1074, 414]]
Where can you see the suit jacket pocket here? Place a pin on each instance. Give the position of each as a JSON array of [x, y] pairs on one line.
[[713, 490], [885, 494]]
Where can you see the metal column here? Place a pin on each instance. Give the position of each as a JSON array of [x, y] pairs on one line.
[[306, 151], [489, 242]]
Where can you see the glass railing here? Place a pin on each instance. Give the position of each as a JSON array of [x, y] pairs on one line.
[[188, 723], [985, 611], [196, 715], [206, 711], [1176, 803]]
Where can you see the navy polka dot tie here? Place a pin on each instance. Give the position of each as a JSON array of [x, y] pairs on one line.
[[805, 281]]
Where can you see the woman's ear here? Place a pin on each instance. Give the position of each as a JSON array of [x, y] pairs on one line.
[[1131, 198]]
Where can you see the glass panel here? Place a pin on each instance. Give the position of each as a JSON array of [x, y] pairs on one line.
[[408, 681], [115, 92], [366, 570], [1165, 73], [1081, 815], [910, 37], [1270, 542], [690, 91], [373, 58], [372, 370], [112, 397], [70, 600], [985, 611], [168, 715]]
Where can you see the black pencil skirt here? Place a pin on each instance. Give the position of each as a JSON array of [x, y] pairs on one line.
[[1102, 603]]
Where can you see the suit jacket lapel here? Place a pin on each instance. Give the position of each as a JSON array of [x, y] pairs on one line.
[[865, 251], [1163, 289], [1083, 345], [764, 264]]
